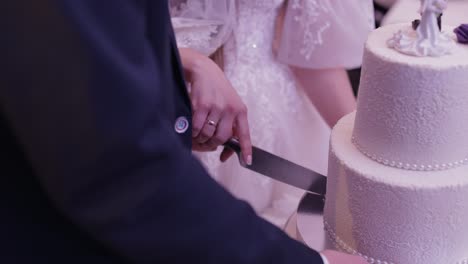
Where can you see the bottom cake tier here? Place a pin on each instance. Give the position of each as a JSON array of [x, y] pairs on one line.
[[391, 215]]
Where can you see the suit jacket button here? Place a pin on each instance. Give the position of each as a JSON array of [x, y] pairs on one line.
[[181, 125]]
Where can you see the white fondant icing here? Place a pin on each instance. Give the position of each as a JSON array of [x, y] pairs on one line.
[[339, 244], [411, 110], [395, 215], [418, 167], [427, 40], [342, 246]]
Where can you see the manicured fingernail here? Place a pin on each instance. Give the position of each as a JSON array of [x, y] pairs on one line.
[[249, 160]]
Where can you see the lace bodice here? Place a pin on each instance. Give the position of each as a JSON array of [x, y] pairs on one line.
[[253, 36], [260, 5], [203, 25], [316, 33]]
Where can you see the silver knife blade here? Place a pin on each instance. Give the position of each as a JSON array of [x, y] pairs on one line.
[[282, 170]]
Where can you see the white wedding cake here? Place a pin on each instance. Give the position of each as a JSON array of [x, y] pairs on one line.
[[398, 176]]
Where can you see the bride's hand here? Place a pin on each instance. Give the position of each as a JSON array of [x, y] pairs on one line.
[[218, 111]]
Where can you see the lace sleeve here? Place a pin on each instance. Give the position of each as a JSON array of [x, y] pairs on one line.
[[325, 33], [203, 25]]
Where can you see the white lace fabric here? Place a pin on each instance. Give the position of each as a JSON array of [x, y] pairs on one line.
[[203, 25], [313, 28]]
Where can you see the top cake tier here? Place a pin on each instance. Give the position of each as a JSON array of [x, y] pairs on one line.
[[412, 112]]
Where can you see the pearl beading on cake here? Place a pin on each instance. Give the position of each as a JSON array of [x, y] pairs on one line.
[[408, 166], [341, 245]]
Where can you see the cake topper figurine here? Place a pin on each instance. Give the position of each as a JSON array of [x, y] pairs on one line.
[[416, 22], [427, 39]]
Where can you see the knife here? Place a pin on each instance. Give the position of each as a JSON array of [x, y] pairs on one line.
[[281, 169]]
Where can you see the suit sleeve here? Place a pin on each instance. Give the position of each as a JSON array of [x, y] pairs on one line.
[[84, 92]]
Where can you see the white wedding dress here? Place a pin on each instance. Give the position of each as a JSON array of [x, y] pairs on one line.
[[282, 120]]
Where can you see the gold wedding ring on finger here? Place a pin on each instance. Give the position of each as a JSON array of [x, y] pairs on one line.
[[211, 123]]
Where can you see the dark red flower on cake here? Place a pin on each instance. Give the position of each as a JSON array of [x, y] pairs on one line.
[[462, 33]]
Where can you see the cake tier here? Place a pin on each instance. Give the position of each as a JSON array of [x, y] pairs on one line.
[[392, 215], [411, 110]]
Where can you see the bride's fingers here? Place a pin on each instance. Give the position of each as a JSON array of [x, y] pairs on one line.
[[223, 131], [198, 121], [209, 127], [226, 154], [202, 147], [243, 133]]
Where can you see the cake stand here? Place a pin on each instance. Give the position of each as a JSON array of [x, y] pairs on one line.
[[306, 225]]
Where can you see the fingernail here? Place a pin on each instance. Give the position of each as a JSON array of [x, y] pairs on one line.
[[249, 160]]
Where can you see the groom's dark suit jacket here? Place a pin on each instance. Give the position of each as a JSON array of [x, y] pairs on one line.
[[94, 166]]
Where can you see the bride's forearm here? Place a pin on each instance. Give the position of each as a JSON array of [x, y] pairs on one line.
[[329, 90]]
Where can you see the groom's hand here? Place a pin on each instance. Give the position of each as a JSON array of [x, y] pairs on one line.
[[218, 112]]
